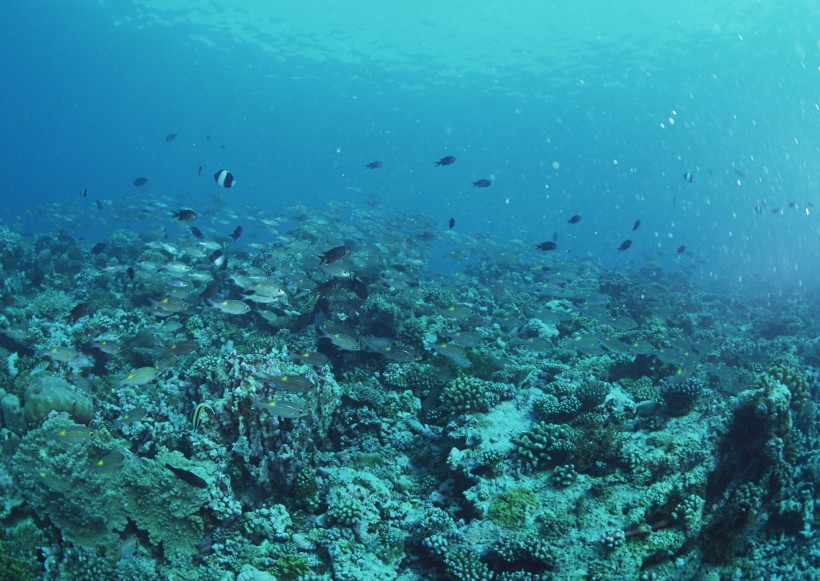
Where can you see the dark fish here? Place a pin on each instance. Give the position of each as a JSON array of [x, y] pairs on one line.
[[546, 246], [129, 272], [217, 257], [452, 223], [777, 211], [140, 181], [688, 177], [84, 193], [483, 183], [208, 137], [224, 178], [374, 165], [636, 225], [197, 233], [78, 312], [446, 160], [624, 245], [186, 215], [188, 476], [574, 219], [209, 292], [681, 249], [98, 248], [792, 204], [328, 288], [170, 137], [358, 287], [236, 233], [334, 254], [98, 204], [740, 174], [199, 171]]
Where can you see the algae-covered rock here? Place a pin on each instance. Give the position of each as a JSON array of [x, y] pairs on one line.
[[47, 393], [12, 413]]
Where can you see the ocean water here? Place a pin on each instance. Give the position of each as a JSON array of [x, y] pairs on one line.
[[691, 355]]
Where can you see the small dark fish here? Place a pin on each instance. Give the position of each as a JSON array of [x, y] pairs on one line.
[[546, 246], [84, 193], [98, 248], [555, 236], [98, 204], [624, 245], [358, 287], [188, 476], [681, 249], [334, 254], [777, 211], [186, 215], [217, 257], [129, 272], [170, 137], [636, 225], [740, 174], [452, 223], [483, 183], [574, 219], [208, 137], [373, 165], [328, 288], [224, 178], [792, 204], [209, 292], [688, 177], [446, 160], [78, 312], [199, 171], [197, 233], [236, 233], [758, 208], [140, 181]]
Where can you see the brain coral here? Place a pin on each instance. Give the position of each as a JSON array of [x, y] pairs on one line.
[[47, 393]]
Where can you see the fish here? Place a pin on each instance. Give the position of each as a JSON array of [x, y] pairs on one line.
[[624, 245], [482, 183], [446, 160], [310, 358], [128, 548], [170, 305], [181, 348], [108, 347], [224, 178], [231, 307], [109, 463], [61, 354], [129, 272], [39, 368], [73, 434], [636, 225], [199, 171], [451, 223], [130, 417], [344, 341], [397, 353], [98, 248], [327, 288], [138, 377], [170, 137], [78, 312], [52, 481], [281, 408], [373, 165], [336, 270], [454, 353], [546, 246], [292, 383], [184, 215], [688, 177], [140, 182], [236, 233], [681, 249], [197, 233], [334, 254], [188, 477], [84, 192], [217, 257], [196, 417], [574, 219]]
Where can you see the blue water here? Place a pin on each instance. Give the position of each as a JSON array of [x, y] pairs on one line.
[[597, 110]]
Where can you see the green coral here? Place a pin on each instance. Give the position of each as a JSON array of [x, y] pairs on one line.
[[290, 567], [513, 508], [794, 380]]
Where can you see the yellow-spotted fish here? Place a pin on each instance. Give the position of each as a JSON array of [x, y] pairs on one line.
[[139, 376]]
